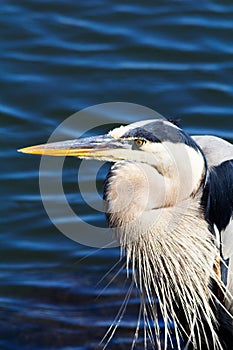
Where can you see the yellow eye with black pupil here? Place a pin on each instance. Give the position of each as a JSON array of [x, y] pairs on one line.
[[139, 142]]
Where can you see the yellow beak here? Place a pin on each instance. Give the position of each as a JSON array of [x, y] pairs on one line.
[[102, 147]]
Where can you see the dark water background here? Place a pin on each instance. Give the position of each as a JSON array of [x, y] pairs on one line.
[[58, 57]]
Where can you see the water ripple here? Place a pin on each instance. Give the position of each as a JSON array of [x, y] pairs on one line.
[[57, 58]]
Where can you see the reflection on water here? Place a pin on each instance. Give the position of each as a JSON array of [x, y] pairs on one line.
[[58, 57]]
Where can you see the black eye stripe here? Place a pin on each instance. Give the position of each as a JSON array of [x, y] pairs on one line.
[[142, 134], [158, 132]]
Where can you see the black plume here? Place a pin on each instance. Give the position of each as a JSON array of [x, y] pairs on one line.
[[175, 121]]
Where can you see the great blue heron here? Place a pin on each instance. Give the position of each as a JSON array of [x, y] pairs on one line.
[[169, 200]]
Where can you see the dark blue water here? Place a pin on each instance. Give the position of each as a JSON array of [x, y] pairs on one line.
[[57, 58]]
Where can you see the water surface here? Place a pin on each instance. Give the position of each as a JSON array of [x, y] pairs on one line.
[[57, 58]]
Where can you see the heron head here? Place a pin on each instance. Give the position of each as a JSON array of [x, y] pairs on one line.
[[158, 143]]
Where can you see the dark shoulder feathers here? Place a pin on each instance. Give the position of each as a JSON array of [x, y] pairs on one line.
[[218, 195]]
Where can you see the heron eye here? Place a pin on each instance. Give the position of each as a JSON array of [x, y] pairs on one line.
[[139, 142]]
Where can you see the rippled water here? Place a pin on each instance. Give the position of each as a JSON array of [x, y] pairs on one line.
[[57, 58]]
